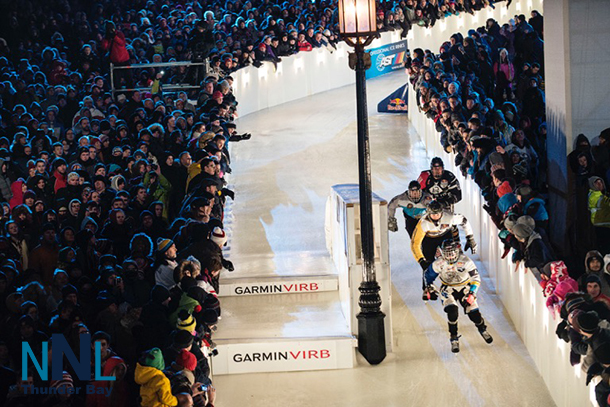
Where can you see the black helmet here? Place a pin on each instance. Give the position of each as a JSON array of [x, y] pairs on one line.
[[450, 250], [414, 192], [435, 207], [436, 161]]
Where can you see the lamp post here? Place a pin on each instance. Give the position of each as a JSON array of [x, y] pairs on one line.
[[358, 27]]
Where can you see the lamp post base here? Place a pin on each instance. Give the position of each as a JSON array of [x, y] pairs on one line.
[[371, 330]]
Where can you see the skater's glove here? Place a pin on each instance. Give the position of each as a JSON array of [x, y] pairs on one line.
[[471, 244], [424, 264], [432, 292], [470, 299], [228, 265], [392, 224], [228, 192]]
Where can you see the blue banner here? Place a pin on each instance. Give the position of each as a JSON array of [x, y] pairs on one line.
[[395, 103], [387, 58]]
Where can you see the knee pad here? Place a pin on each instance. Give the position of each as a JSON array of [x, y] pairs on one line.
[[452, 313], [475, 316]]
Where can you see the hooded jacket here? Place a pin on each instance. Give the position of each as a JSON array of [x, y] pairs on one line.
[[5, 185], [603, 274], [155, 389], [599, 204]]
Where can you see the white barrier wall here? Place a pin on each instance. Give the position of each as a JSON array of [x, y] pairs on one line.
[[297, 76], [518, 289]]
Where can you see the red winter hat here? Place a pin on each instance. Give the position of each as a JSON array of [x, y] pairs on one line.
[[187, 360], [504, 188]]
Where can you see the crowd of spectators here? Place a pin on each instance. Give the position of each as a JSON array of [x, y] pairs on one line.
[[485, 94]]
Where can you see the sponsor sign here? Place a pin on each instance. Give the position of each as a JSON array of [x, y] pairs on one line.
[[396, 102], [278, 286], [284, 356], [387, 58]]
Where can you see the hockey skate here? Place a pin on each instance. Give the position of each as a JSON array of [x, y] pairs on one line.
[[455, 344], [488, 338]]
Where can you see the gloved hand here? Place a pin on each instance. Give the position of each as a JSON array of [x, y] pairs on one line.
[[470, 244], [470, 298], [517, 257], [562, 331], [228, 265], [392, 224], [432, 292], [594, 370], [228, 192], [424, 264]]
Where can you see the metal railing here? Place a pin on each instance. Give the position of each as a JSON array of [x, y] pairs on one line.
[[166, 87]]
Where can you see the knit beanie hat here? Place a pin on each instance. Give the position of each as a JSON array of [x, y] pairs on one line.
[[211, 302], [219, 236], [154, 358], [186, 322], [186, 360], [158, 294], [522, 231], [209, 316], [164, 244], [65, 382], [197, 293], [183, 339], [67, 290], [594, 278], [588, 322], [187, 282], [73, 175]]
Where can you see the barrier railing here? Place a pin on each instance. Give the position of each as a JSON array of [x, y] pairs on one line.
[[166, 87]]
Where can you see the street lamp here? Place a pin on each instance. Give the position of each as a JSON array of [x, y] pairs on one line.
[[358, 27]]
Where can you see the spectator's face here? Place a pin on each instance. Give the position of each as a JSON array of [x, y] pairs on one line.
[[171, 252], [582, 161], [49, 236], [186, 160], [13, 230], [210, 168], [95, 196], [120, 218], [142, 195], [593, 289]]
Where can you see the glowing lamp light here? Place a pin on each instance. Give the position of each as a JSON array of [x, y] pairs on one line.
[[357, 18]]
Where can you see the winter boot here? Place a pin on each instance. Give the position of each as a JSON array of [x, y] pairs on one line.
[[455, 344], [488, 338]]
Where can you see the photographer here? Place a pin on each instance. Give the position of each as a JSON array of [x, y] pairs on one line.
[[200, 44], [115, 45]]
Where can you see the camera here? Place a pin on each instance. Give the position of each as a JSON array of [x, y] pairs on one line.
[[203, 387]]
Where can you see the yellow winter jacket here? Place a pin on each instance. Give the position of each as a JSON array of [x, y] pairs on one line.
[[193, 170], [599, 206], [155, 389]]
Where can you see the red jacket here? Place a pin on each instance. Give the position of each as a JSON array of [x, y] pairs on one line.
[[116, 48], [61, 180]]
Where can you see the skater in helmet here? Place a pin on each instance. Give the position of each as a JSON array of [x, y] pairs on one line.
[[460, 282], [441, 184], [413, 203]]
